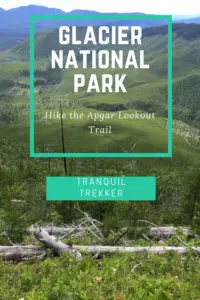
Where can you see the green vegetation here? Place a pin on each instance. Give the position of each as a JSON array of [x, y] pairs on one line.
[[116, 277]]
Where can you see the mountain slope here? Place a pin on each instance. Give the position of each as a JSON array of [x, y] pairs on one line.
[[184, 36], [146, 89]]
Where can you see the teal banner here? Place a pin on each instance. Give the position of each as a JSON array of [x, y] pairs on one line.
[[101, 188]]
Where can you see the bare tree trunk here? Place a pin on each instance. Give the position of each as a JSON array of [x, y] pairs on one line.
[[18, 253], [153, 232], [150, 249], [63, 140], [164, 232], [64, 158], [195, 200], [24, 252], [58, 230], [51, 242]]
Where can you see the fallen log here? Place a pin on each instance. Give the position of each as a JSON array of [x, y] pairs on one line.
[[51, 242], [154, 232], [149, 249], [164, 232], [58, 230], [18, 253], [32, 251]]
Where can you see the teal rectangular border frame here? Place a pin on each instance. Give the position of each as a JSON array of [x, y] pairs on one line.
[[99, 17]]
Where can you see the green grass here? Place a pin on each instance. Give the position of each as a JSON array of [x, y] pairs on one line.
[[120, 277]]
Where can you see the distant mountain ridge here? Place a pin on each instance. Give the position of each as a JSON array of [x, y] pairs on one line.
[[14, 23], [19, 17], [190, 20]]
